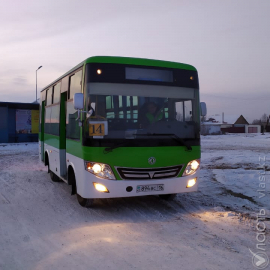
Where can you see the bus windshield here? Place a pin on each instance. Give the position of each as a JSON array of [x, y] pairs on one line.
[[134, 111]]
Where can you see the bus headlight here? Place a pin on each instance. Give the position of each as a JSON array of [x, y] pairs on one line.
[[99, 169], [192, 167]]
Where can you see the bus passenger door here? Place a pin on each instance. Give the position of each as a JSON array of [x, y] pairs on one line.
[[41, 130], [62, 143]]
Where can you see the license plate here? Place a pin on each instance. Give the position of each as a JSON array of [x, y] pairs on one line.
[[149, 188], [96, 130]]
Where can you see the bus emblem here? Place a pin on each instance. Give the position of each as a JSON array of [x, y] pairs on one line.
[[151, 160]]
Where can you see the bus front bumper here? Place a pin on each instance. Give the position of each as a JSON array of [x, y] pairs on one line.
[[132, 188]]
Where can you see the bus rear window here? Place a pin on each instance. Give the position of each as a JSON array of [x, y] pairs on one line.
[[143, 74]]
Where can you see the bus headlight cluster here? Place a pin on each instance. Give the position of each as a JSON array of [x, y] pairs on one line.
[[99, 169], [192, 167]]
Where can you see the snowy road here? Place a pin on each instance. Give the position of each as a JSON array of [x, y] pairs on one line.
[[43, 227]]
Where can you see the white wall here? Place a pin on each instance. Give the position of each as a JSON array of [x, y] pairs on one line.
[[210, 129], [253, 126]]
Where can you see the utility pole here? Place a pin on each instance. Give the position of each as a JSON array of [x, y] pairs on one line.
[[36, 81]]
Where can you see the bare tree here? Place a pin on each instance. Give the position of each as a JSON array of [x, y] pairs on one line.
[[256, 122], [264, 122], [264, 118]]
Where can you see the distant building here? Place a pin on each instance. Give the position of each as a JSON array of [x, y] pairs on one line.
[[19, 122], [241, 125], [214, 126], [241, 121], [252, 129], [210, 128]]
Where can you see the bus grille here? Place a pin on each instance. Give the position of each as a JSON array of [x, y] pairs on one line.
[[143, 174]]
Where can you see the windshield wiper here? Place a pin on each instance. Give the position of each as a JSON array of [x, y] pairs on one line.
[[110, 149], [182, 141], [173, 136]]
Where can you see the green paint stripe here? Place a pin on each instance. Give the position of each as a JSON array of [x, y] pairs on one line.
[[135, 157], [52, 140], [131, 157], [138, 62]]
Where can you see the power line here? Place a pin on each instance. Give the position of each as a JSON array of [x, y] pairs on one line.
[[267, 98]]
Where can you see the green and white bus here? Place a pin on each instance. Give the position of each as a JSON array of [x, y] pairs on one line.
[[121, 127]]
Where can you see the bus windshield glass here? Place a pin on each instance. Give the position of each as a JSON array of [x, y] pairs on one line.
[[136, 111]]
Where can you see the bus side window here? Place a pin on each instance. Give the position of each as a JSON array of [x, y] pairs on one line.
[[179, 112], [72, 127], [49, 97], [56, 93], [47, 124], [188, 110], [55, 118], [75, 84]]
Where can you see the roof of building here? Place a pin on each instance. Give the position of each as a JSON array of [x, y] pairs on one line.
[[228, 119], [241, 121], [19, 105], [211, 124]]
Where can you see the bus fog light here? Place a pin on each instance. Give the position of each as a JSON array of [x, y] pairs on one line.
[[99, 169], [191, 182], [100, 187]]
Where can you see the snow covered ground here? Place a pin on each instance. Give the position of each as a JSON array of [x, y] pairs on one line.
[[43, 227]]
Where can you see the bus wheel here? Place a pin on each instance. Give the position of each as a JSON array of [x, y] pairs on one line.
[[84, 202], [54, 177], [168, 197]]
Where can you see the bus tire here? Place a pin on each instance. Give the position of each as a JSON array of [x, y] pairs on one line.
[[54, 177], [72, 180], [84, 202], [168, 197]]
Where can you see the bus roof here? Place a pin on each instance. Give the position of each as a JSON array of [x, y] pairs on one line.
[[138, 62], [127, 61]]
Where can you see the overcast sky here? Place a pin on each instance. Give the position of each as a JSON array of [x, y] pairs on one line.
[[227, 41]]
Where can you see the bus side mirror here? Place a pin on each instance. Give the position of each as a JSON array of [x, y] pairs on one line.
[[203, 109], [78, 101]]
